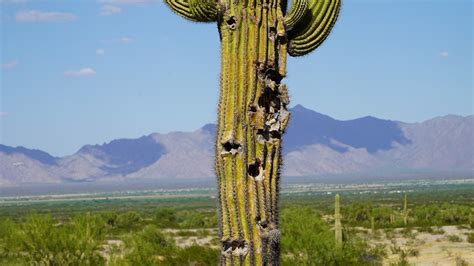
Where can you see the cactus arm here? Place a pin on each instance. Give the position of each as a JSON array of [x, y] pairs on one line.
[[195, 10], [314, 29], [299, 9]]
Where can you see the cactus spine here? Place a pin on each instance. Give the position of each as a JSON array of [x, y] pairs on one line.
[[337, 222], [405, 211], [255, 39]]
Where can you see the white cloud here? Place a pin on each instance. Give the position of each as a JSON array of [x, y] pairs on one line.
[[108, 10], [11, 64], [42, 16], [125, 2], [100, 51], [444, 54], [81, 72]]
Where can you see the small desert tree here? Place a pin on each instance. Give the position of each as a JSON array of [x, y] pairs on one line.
[[256, 36]]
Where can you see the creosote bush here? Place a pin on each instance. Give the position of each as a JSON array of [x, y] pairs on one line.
[[40, 240], [308, 240]]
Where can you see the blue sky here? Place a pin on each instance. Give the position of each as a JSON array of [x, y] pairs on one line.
[[89, 71]]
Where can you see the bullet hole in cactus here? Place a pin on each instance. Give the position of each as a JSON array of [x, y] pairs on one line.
[[231, 23], [261, 223], [272, 33], [269, 100], [275, 134], [263, 134], [230, 147], [236, 246], [254, 169], [253, 108], [273, 74]]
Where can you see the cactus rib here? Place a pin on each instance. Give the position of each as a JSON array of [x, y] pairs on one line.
[[195, 10], [299, 8], [309, 35]]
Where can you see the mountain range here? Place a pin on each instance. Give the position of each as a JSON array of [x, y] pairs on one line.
[[315, 145]]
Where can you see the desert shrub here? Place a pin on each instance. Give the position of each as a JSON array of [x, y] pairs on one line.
[[357, 214], [454, 238], [151, 247], [444, 214], [308, 240], [128, 220], [402, 260], [110, 218], [470, 237], [199, 220], [166, 218], [413, 252], [8, 242], [425, 229], [461, 262], [194, 255], [148, 247], [41, 241]]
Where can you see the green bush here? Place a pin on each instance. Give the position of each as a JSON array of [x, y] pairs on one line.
[[454, 238], [308, 240], [148, 247], [151, 247], [42, 241], [128, 220], [195, 255], [470, 237], [166, 218]]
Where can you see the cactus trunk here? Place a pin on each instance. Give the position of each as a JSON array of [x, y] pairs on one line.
[[252, 117], [405, 211], [337, 222], [256, 36], [372, 224]]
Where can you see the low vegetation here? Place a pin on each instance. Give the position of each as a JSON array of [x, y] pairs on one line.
[[184, 231]]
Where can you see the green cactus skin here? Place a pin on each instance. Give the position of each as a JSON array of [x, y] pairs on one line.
[[253, 112], [337, 222], [297, 12]]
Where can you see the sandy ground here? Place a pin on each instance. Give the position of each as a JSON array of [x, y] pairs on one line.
[[432, 249], [186, 241]]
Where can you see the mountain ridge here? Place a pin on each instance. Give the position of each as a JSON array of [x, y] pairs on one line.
[[315, 144]]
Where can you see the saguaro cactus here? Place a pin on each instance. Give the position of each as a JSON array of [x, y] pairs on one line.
[[405, 210], [337, 222], [256, 36]]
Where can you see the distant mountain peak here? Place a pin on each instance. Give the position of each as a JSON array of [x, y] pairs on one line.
[[37, 155], [124, 156], [308, 127], [209, 128]]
